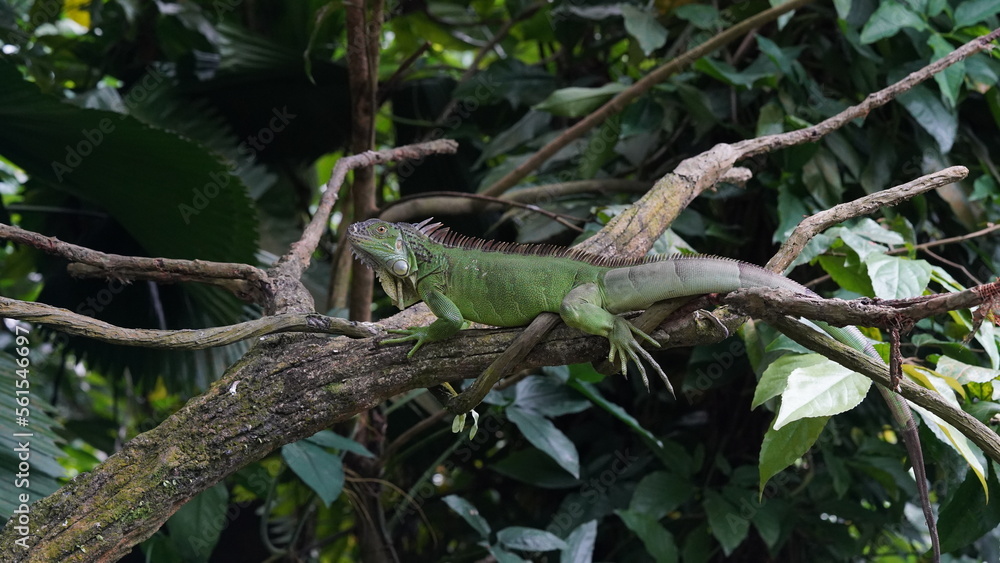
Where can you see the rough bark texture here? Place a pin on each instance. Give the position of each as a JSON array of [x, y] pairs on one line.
[[287, 387]]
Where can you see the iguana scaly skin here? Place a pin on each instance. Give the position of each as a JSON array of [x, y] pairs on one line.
[[505, 284]]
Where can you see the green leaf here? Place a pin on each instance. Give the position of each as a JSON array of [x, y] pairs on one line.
[[950, 79], [546, 437], [196, 526], [888, 20], [775, 378], [971, 12], [823, 388], [591, 392], [659, 493], [702, 16], [526, 130], [948, 433], [507, 79], [729, 75], [548, 396], [894, 277], [535, 468], [576, 102], [984, 187], [781, 447], [580, 544], [968, 515], [42, 445], [642, 25], [321, 470], [330, 439], [727, 524], [963, 372], [658, 541], [129, 169], [529, 539], [600, 147], [469, 513], [928, 111], [851, 278], [504, 556]]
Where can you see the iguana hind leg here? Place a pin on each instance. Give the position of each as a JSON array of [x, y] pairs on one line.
[[581, 309]]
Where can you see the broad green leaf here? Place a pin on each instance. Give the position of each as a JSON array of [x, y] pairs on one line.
[[127, 169], [894, 277], [821, 175], [659, 493], [507, 79], [580, 544], [769, 519], [658, 541], [968, 513], [871, 230], [923, 376], [965, 373], [727, 523], [702, 16], [951, 436], [600, 147], [548, 396], [588, 390], [950, 79], [321, 470], [890, 17], [469, 513], [642, 25], [984, 187], [576, 102], [729, 75], [546, 437], [504, 556], [529, 539], [781, 447], [970, 12], [330, 439], [775, 378], [196, 526], [43, 442], [527, 129], [770, 121], [823, 388], [931, 114], [535, 468]]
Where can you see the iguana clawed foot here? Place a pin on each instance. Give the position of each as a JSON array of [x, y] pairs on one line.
[[625, 347]]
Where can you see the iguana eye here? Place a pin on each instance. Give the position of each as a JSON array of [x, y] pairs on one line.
[[381, 229], [400, 267]]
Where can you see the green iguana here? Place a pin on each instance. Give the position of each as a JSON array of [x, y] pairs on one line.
[[506, 284]]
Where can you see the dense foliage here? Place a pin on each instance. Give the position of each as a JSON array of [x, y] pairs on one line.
[[111, 110]]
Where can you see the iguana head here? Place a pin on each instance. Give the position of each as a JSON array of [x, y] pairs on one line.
[[382, 246]]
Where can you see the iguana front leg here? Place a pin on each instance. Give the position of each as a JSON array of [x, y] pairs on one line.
[[582, 309], [449, 321]]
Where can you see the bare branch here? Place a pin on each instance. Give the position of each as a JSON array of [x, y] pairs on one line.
[[185, 339], [297, 259], [811, 226]]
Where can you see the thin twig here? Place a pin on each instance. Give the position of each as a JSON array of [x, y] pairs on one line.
[[185, 339], [297, 259]]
